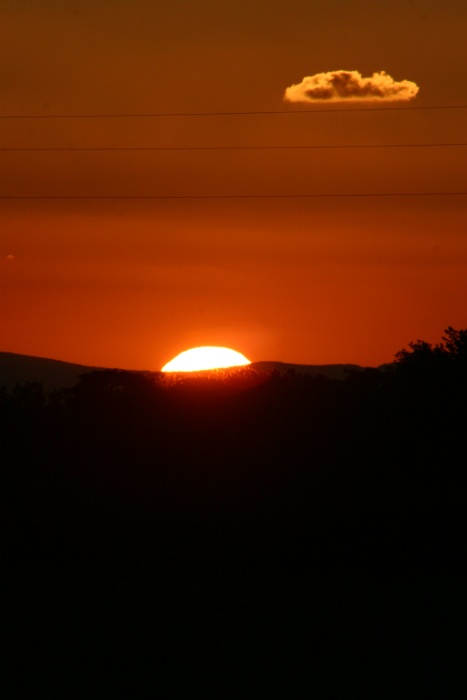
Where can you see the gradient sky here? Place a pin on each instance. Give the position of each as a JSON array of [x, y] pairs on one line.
[[131, 283]]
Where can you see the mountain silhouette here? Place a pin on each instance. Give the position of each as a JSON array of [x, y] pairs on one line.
[[57, 374], [52, 374]]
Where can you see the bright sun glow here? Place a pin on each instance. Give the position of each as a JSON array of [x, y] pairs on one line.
[[208, 357]]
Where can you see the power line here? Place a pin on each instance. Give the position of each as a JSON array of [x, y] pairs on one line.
[[226, 148], [229, 114], [233, 196]]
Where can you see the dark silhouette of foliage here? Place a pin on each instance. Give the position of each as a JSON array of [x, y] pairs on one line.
[[420, 352], [453, 347], [240, 534], [455, 343]]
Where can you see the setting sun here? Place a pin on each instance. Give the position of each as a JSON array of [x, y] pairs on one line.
[[206, 357]]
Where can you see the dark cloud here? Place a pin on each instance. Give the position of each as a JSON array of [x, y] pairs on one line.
[[348, 86]]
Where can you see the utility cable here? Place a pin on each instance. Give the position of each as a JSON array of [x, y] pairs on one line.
[[234, 196], [75, 149], [230, 113]]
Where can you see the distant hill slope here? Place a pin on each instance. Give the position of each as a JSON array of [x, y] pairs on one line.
[[55, 374], [52, 374]]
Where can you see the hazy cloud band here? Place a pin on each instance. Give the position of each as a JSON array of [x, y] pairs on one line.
[[348, 86]]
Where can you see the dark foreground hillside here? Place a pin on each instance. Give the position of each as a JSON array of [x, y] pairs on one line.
[[244, 536]]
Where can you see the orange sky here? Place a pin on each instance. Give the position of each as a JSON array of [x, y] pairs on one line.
[[131, 283]]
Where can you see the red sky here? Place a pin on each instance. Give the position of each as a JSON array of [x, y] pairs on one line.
[[131, 283]]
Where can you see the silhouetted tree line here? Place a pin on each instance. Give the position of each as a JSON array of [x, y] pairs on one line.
[[243, 535]]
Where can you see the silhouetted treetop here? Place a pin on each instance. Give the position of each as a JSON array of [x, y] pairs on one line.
[[453, 346], [455, 343]]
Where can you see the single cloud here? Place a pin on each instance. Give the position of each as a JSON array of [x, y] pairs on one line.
[[350, 86]]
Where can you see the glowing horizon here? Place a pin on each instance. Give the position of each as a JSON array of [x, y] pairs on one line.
[[205, 357]]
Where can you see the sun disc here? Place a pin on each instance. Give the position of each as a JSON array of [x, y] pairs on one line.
[[206, 357]]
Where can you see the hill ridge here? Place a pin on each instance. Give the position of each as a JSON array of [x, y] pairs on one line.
[[16, 368]]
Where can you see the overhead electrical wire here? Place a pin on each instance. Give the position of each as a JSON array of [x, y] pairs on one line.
[[221, 148], [232, 148], [234, 196], [230, 113]]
